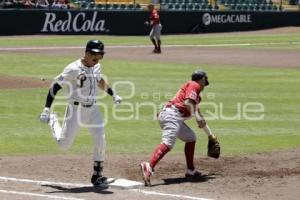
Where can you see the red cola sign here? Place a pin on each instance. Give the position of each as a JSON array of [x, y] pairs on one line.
[[74, 22]]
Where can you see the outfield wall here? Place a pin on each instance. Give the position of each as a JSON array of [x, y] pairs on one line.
[[27, 22]]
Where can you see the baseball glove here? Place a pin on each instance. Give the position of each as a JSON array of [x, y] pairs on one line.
[[213, 148]]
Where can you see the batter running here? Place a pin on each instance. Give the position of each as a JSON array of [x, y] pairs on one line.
[[171, 119], [82, 78]]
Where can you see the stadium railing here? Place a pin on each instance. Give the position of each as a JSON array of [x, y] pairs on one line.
[[190, 5], [184, 5]]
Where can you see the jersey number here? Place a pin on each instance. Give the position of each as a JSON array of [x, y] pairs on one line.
[[81, 79]]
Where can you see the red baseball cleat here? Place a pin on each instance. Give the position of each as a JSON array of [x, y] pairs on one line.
[[146, 172]]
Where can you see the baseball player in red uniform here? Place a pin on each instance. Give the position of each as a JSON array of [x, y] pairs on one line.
[[156, 28], [81, 78], [171, 119]]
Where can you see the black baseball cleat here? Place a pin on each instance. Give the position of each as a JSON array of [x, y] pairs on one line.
[[156, 50], [192, 173], [101, 181]]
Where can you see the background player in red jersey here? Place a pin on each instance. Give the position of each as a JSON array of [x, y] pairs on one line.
[[171, 119], [156, 28]]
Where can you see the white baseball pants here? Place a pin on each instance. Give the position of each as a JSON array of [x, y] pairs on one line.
[[155, 31], [173, 126], [76, 117]]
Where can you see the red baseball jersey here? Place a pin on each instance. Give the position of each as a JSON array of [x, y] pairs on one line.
[[154, 17], [190, 90]]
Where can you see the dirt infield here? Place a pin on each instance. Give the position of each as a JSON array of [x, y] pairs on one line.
[[13, 82], [214, 56], [267, 176], [263, 176]]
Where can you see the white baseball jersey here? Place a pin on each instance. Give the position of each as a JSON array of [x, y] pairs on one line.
[[76, 116], [78, 90]]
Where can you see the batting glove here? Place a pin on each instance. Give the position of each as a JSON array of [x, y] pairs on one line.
[[117, 99], [45, 116]]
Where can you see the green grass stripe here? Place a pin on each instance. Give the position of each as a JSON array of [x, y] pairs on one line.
[[197, 39]]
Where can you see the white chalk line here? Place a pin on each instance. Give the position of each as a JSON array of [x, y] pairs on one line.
[[40, 183], [44, 182], [38, 195], [147, 46], [167, 194], [86, 185]]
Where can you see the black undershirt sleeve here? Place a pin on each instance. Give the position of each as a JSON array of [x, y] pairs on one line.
[[51, 94], [110, 92]]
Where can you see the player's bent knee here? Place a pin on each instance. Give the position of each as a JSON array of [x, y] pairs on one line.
[[170, 142], [169, 146], [192, 139]]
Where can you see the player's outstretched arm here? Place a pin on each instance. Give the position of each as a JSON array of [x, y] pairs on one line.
[[213, 147], [202, 124], [45, 115], [200, 119], [104, 86], [191, 106]]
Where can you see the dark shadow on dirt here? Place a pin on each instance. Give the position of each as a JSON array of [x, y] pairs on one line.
[[171, 181], [61, 189]]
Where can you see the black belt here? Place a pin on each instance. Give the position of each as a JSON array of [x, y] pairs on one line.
[[76, 103]]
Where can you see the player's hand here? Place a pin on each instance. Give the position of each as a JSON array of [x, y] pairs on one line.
[[201, 122], [45, 115], [117, 99], [146, 23]]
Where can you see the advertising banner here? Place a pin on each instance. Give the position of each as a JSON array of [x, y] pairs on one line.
[[72, 22]]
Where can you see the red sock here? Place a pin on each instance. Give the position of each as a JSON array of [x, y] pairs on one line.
[[158, 154], [189, 150]]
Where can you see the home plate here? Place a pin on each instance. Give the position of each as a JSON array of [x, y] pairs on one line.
[[125, 184]]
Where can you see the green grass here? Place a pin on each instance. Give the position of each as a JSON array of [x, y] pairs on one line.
[[32, 65], [277, 89], [280, 41]]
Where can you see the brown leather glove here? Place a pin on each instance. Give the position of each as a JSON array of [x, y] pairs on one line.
[[213, 147]]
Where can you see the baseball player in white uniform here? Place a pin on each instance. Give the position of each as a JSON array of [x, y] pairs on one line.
[[81, 79]]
